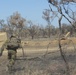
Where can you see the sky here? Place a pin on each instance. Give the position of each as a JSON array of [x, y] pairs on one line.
[[29, 9]]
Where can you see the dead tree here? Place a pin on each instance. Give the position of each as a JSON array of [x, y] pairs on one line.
[[46, 16], [16, 23], [61, 50], [63, 5]]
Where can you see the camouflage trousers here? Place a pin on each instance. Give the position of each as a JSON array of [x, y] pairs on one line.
[[11, 57]]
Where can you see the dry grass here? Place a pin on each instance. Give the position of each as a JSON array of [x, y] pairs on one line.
[[36, 64], [46, 42], [52, 64]]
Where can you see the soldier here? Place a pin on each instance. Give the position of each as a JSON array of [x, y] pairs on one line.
[[11, 45]]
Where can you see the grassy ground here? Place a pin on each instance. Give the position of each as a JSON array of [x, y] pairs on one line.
[[42, 57], [51, 64]]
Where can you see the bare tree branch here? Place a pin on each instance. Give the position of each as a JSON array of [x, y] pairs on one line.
[[61, 51]]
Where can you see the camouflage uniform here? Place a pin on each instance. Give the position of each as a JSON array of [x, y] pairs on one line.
[[11, 52]]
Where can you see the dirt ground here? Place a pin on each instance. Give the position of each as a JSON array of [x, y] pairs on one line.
[[42, 57]]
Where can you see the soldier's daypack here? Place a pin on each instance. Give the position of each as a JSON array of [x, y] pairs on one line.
[[13, 43]]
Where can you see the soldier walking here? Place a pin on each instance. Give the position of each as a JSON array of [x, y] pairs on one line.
[[12, 44]]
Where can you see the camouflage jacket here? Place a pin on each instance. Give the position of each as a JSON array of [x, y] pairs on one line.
[[4, 46]]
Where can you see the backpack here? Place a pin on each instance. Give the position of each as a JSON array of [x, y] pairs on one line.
[[13, 43]]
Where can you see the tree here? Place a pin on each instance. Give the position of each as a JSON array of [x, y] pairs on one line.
[[63, 9], [32, 29], [16, 23], [43, 32], [46, 16], [3, 26]]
